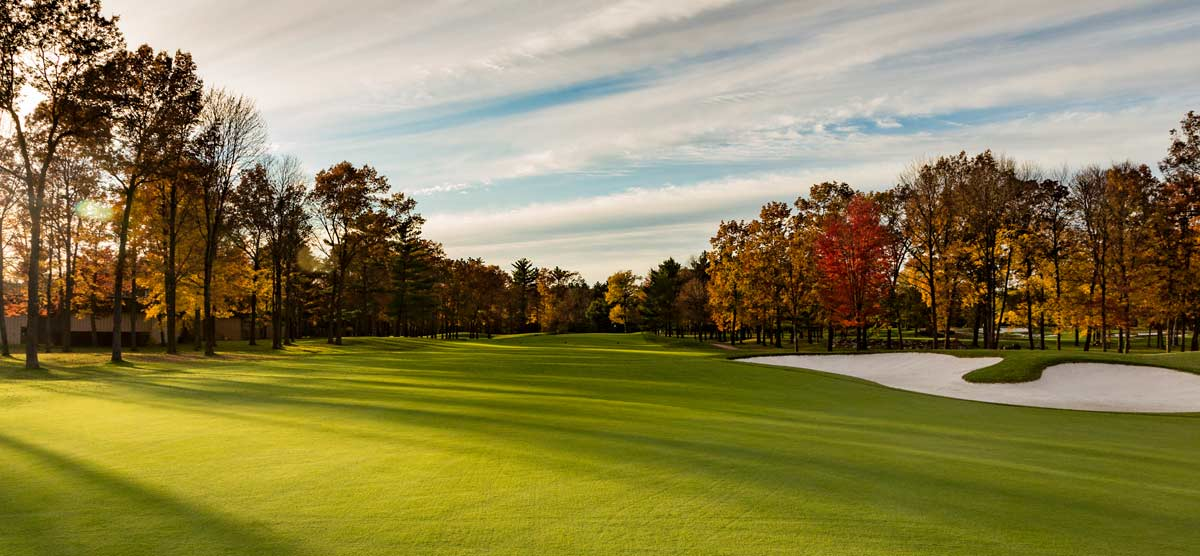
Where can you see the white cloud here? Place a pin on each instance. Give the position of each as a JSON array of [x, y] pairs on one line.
[[771, 88]]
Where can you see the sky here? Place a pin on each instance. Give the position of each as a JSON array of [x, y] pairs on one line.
[[606, 136]]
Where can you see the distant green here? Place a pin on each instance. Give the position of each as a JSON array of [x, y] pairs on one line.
[[573, 445]]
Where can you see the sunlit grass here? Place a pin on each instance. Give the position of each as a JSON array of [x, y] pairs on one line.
[[563, 445]]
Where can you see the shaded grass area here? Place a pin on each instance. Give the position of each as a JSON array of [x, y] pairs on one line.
[[589, 444]]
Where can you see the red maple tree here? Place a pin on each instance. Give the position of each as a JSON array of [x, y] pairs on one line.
[[851, 255]]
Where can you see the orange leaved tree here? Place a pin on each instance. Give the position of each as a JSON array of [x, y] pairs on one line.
[[852, 260]]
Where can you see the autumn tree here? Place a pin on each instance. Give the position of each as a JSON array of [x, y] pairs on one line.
[[289, 229], [1180, 209], [825, 201], [692, 302], [851, 255], [726, 277], [52, 51], [564, 298], [9, 209], [1089, 198], [987, 201], [268, 220], [931, 223], [345, 199], [74, 199], [250, 229], [232, 138], [1053, 219], [155, 99], [1132, 197], [624, 296], [771, 274], [896, 248]]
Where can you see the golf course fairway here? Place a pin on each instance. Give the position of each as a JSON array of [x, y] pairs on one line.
[[588, 444]]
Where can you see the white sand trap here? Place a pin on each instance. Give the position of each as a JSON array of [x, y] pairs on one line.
[[1087, 386]]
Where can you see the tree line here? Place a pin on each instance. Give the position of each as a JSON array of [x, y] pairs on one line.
[[129, 188], [978, 242]]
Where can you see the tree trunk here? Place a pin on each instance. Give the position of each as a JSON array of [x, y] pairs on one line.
[[276, 301], [92, 318], [1196, 334], [119, 278], [133, 301], [1029, 317], [338, 325], [199, 326], [170, 279], [933, 302], [254, 305], [68, 296], [1042, 328], [210, 322], [975, 327], [4, 350], [1103, 313], [50, 300]]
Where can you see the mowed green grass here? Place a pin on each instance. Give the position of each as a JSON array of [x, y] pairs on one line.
[[563, 445]]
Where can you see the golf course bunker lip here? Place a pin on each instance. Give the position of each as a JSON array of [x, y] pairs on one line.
[[1083, 386]]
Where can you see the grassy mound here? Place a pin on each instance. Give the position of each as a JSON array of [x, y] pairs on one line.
[[1027, 365]]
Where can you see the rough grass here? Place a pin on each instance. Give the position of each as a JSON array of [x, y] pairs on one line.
[[563, 445]]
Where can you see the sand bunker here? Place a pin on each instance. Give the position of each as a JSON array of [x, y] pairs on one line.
[[1087, 386]]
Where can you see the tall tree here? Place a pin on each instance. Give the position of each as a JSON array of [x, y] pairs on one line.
[[74, 190], [50, 50], [414, 265], [524, 287], [345, 199], [251, 227], [986, 201], [825, 201], [1089, 198], [155, 99], [232, 139], [933, 227], [851, 255], [1181, 211], [692, 302], [558, 293], [10, 197], [896, 247], [771, 272], [726, 284], [288, 227], [1054, 220], [1132, 198], [661, 290]]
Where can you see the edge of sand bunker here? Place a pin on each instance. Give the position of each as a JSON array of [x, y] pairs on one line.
[[1082, 386]]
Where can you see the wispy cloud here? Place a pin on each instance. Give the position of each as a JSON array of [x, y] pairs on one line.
[[573, 121]]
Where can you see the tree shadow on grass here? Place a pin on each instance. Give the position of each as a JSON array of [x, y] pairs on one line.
[[209, 532], [752, 446], [817, 456]]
